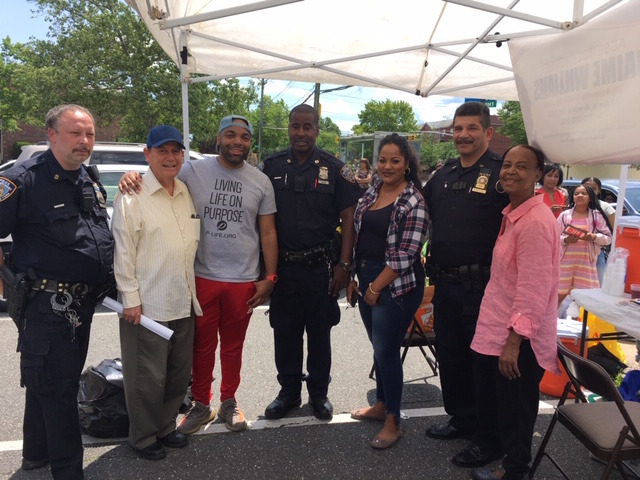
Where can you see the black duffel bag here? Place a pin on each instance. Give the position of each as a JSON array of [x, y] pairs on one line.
[[101, 404]]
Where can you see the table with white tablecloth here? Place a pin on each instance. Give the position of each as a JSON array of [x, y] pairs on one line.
[[620, 312]]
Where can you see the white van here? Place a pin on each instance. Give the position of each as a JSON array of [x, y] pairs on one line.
[[112, 153]]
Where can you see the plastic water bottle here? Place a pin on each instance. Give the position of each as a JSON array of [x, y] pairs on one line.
[[615, 273]]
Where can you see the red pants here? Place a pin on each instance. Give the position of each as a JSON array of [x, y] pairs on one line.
[[225, 312]]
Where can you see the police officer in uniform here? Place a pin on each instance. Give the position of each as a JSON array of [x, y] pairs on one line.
[[54, 208], [314, 192], [465, 203]]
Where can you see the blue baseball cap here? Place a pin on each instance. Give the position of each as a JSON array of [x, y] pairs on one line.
[[230, 121], [162, 134]]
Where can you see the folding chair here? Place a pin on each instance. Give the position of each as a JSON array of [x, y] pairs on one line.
[[607, 429], [416, 336]]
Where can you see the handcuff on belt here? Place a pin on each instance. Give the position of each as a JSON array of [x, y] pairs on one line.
[[64, 295]]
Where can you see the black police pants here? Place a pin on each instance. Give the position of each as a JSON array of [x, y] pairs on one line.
[[301, 302], [507, 409], [50, 367], [455, 314]]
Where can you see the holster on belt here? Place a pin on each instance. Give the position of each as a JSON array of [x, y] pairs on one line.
[[105, 289], [334, 247], [473, 277], [17, 287]]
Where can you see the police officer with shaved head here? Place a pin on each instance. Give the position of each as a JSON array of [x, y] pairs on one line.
[[315, 194]]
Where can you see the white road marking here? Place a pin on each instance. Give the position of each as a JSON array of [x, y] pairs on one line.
[[261, 424]]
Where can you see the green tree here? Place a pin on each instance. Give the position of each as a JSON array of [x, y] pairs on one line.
[[100, 54], [327, 125], [432, 150], [329, 136], [274, 127], [513, 124], [386, 116]]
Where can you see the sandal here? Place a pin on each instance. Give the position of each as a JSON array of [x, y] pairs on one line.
[[358, 415], [380, 444]]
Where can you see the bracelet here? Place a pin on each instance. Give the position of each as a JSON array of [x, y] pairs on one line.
[[371, 290]]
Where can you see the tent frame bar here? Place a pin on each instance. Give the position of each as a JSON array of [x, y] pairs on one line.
[[222, 13]]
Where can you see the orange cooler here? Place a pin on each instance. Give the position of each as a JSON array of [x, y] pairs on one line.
[[569, 332], [628, 236]]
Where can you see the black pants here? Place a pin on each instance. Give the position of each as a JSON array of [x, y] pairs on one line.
[[507, 409], [301, 302], [50, 367], [455, 314]]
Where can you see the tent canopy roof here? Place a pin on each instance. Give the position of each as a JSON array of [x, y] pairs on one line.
[[425, 47]]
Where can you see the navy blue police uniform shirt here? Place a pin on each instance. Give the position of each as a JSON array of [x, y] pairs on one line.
[[309, 197], [41, 207], [466, 211]]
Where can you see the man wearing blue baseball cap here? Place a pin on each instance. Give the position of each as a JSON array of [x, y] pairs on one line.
[[236, 206], [154, 268]]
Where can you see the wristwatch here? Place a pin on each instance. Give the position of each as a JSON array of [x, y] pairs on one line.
[[345, 266], [272, 278]]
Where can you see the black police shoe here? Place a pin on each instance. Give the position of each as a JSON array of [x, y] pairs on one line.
[[280, 407], [33, 464], [473, 456], [445, 431], [322, 408], [155, 451], [174, 440]]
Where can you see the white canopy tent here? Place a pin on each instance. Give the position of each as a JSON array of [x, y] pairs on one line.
[[425, 47]]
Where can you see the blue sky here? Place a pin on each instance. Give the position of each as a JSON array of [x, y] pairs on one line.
[[341, 106]]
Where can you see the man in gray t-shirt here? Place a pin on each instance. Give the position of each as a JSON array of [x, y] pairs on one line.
[[236, 205]]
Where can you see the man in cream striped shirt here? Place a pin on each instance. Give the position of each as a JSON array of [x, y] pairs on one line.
[[157, 234]]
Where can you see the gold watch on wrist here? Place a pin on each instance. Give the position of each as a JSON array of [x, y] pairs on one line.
[[345, 266]]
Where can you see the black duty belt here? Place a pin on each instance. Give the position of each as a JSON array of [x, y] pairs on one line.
[[312, 257], [473, 277], [77, 290]]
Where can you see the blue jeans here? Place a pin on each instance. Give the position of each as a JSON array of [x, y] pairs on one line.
[[386, 326], [601, 263]]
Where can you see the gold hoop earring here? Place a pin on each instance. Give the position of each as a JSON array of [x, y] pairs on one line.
[[499, 187]]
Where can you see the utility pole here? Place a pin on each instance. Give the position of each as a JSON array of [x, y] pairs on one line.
[[316, 99], [262, 83]]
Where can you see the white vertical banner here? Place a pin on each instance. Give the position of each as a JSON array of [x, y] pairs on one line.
[[580, 90]]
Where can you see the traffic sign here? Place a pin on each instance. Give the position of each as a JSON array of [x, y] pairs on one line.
[[488, 103]]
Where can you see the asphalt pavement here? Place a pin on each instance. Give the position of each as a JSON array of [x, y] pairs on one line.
[[296, 447]]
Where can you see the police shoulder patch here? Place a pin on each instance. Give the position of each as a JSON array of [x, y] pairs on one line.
[[347, 174], [7, 187]]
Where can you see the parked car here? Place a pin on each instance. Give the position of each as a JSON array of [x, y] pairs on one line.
[[104, 153], [610, 190], [7, 165], [110, 177]]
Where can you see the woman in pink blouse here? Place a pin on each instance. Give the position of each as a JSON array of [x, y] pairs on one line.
[[515, 339], [551, 181]]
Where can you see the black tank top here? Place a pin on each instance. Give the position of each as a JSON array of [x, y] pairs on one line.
[[372, 239]]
